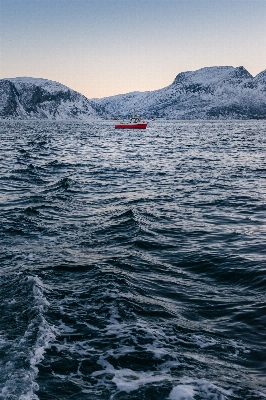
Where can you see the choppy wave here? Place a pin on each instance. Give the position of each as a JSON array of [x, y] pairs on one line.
[[26, 336], [133, 264]]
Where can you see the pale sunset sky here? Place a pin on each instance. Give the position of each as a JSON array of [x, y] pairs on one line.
[[106, 47]]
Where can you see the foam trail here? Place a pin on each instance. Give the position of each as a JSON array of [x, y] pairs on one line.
[[21, 369], [191, 389]]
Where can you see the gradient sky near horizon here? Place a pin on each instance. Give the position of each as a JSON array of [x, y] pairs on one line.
[[106, 47]]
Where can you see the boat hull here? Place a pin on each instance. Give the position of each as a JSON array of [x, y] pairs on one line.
[[141, 125]]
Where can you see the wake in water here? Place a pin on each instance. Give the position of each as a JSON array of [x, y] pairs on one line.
[[26, 338]]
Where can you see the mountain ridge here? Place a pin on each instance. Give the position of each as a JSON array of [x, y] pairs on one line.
[[209, 93], [38, 98], [222, 92]]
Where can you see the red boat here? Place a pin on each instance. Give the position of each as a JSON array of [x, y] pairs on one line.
[[134, 123]]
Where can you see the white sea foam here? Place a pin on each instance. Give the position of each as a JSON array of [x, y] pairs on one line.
[[203, 341], [159, 344], [126, 379], [188, 388], [20, 381], [182, 392]]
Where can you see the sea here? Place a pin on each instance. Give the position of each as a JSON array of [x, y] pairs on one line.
[[133, 262]]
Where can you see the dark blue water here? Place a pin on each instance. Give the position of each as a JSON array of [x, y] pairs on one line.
[[133, 263]]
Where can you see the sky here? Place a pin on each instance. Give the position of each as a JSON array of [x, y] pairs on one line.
[[106, 47]]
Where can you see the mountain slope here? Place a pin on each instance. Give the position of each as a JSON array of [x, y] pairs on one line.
[[32, 98], [209, 93]]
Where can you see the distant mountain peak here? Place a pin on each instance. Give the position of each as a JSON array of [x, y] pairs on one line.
[[208, 75], [219, 92], [38, 98], [241, 72], [47, 84], [261, 78]]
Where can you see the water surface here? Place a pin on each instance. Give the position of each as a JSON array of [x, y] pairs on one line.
[[133, 262]]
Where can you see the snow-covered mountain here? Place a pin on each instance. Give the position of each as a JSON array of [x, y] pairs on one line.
[[32, 98], [209, 93]]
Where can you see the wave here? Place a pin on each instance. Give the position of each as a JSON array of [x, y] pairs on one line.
[[28, 335]]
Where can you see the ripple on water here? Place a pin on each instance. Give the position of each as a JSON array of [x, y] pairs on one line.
[[133, 264]]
